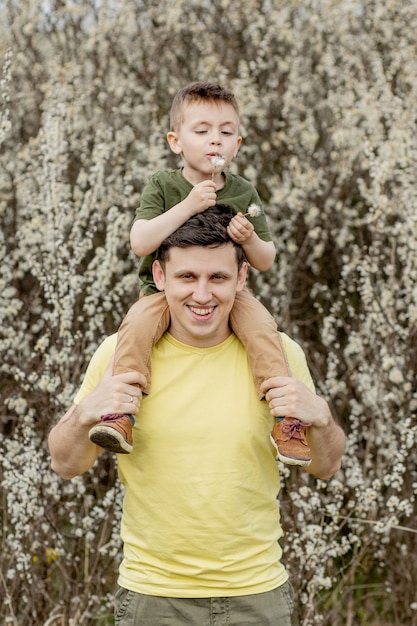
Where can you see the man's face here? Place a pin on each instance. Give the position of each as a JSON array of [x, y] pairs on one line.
[[200, 285]]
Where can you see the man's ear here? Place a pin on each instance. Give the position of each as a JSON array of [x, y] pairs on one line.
[[241, 277], [158, 275], [174, 142]]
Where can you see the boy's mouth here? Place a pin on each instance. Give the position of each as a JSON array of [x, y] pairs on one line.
[[217, 160]]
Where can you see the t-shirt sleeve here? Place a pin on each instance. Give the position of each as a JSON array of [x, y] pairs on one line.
[[297, 361], [259, 222], [152, 202], [97, 366]]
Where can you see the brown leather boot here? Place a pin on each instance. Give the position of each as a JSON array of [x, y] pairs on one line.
[[114, 433], [289, 435]]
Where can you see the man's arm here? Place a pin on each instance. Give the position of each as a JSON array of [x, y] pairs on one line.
[[72, 453], [289, 397]]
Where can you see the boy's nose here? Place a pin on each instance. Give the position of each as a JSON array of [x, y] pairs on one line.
[[216, 138]]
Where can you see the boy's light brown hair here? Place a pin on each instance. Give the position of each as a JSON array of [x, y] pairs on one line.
[[199, 92]]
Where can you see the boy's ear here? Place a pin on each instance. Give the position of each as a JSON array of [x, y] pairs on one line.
[[174, 142], [158, 275], [239, 141]]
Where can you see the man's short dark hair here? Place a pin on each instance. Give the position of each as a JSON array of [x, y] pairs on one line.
[[207, 229]]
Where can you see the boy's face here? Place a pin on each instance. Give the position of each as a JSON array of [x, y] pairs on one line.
[[208, 129]]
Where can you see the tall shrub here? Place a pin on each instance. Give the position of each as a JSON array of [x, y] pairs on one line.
[[328, 98]]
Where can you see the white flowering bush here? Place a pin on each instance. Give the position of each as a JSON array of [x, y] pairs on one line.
[[328, 97]]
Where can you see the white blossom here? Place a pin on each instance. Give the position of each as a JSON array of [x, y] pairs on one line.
[[327, 97]]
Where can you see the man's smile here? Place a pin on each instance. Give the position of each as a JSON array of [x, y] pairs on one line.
[[201, 311]]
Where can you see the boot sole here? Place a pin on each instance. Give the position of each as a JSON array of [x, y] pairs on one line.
[[110, 439], [292, 461]]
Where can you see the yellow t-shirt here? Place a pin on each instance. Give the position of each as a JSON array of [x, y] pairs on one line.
[[200, 516]]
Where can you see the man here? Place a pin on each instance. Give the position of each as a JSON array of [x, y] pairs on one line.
[[200, 522]]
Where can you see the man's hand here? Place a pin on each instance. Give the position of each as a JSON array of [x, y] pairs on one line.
[[72, 452], [289, 397], [113, 394]]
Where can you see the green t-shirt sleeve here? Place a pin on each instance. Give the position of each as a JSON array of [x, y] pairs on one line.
[[259, 222], [152, 202], [164, 190]]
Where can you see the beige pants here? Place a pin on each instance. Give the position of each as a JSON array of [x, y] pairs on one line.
[[148, 319]]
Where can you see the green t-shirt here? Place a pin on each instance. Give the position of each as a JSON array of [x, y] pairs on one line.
[[169, 187]]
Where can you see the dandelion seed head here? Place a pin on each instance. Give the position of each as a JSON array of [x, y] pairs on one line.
[[254, 210], [217, 161]]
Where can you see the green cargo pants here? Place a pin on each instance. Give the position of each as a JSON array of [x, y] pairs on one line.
[[272, 608]]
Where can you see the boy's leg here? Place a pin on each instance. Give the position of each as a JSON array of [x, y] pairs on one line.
[[144, 324], [257, 330], [142, 327]]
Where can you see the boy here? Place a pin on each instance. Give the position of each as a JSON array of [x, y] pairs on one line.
[[205, 132]]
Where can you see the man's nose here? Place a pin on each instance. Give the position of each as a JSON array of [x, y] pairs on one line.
[[202, 293]]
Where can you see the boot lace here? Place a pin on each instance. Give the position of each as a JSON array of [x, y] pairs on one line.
[[294, 429]]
